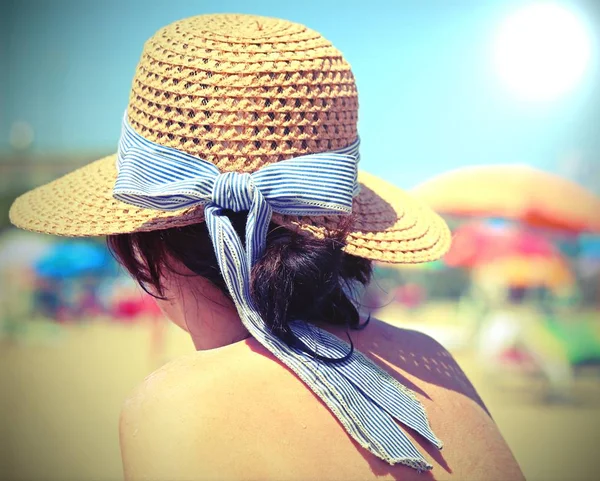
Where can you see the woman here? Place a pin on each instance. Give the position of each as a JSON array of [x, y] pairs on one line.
[[234, 199]]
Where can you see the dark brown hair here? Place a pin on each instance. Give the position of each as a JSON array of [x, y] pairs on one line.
[[298, 277]]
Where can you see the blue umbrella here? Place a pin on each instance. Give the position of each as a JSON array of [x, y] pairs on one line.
[[590, 247], [74, 258]]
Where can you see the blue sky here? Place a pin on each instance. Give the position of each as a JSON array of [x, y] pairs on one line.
[[429, 98]]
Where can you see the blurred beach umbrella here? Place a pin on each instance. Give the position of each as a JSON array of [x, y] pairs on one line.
[[589, 247], [527, 272], [512, 256], [588, 260], [516, 192], [71, 258], [480, 242]]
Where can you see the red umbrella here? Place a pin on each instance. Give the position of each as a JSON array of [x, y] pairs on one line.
[[479, 242], [510, 255]]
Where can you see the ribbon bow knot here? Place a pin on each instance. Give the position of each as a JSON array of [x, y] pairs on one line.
[[233, 190], [365, 398]]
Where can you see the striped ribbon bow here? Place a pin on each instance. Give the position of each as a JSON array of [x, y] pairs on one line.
[[364, 398]]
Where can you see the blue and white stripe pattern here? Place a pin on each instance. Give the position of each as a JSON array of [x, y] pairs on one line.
[[366, 399]]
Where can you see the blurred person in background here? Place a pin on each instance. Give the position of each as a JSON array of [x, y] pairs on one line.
[[235, 201]]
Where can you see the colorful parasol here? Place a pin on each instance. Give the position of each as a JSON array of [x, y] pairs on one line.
[[517, 192], [518, 271], [72, 258], [513, 256], [479, 242]]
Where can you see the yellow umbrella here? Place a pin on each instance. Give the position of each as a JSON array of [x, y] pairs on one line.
[[521, 271], [518, 192]]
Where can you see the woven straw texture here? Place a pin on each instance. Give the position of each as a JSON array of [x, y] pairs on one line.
[[241, 92]]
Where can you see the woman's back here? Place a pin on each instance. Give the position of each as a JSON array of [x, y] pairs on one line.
[[237, 413]]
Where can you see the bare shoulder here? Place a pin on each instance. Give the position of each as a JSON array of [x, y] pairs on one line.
[[162, 399], [473, 443], [402, 336], [420, 359], [174, 424], [183, 382], [164, 384]]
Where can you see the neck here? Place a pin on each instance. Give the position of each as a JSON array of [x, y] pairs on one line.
[[203, 311]]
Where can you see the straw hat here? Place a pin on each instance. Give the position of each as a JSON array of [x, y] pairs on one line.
[[241, 92]]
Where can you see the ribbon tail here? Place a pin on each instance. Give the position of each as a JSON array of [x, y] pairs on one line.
[[381, 387], [257, 226], [229, 252], [396, 399], [365, 421]]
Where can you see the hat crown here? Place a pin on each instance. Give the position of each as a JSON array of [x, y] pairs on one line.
[[243, 91]]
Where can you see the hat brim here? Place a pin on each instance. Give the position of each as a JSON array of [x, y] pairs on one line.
[[386, 225]]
